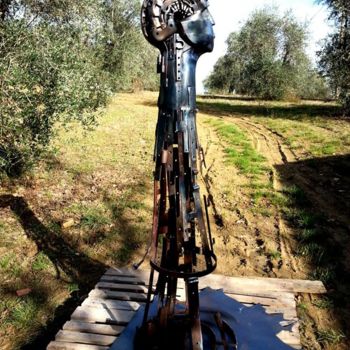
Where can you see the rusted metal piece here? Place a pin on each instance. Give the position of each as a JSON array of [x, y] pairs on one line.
[[181, 242]]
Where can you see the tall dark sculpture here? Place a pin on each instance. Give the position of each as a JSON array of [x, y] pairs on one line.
[[182, 246]]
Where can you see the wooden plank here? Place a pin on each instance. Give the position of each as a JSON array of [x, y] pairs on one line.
[[85, 338], [272, 295], [122, 279], [100, 315], [127, 272], [280, 299], [134, 288], [83, 327], [240, 285], [107, 294], [112, 304], [290, 338], [56, 345], [287, 302]]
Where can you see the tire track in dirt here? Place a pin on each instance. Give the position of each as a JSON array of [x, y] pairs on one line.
[[271, 147], [304, 176], [289, 169], [243, 239], [229, 219]]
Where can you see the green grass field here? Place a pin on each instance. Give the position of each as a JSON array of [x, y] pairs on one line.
[[88, 205]]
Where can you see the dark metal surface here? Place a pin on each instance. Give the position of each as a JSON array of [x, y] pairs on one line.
[[226, 324], [182, 30]]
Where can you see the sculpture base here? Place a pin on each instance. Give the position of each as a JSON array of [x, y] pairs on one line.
[[113, 303], [176, 336], [226, 325]]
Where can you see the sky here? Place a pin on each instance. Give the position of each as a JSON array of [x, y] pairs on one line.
[[229, 15]]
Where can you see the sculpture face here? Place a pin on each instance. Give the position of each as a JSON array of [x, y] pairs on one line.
[[197, 31]]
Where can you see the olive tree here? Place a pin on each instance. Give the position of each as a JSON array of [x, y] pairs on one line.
[[266, 58], [59, 61], [334, 56]]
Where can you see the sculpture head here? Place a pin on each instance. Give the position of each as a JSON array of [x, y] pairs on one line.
[[197, 31], [190, 18]]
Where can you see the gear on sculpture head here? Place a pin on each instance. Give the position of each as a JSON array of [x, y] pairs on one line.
[[163, 18]]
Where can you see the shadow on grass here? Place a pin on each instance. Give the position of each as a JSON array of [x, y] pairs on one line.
[[240, 106], [293, 111], [132, 231], [318, 192], [81, 269], [229, 98]]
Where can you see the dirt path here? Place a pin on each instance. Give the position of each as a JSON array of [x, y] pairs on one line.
[[245, 240], [271, 146]]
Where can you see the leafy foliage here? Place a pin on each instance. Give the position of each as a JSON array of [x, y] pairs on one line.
[[267, 59], [60, 60], [334, 57]]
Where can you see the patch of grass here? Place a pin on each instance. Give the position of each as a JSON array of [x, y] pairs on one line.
[[73, 287], [275, 255], [93, 220], [136, 205], [265, 212], [324, 303], [296, 195], [11, 264], [240, 152], [276, 199], [92, 217], [313, 243], [246, 159], [302, 306], [313, 251], [302, 218], [25, 313], [41, 262], [6, 260], [325, 274], [329, 336], [305, 126], [326, 148], [309, 235]]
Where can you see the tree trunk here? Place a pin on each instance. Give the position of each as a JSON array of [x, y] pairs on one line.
[[4, 8]]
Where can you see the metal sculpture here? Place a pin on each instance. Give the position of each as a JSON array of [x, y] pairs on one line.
[[182, 247]]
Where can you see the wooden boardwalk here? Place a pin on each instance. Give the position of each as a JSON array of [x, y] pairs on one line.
[[102, 317]]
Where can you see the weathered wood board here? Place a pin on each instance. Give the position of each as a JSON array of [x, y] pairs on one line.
[[102, 317]]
